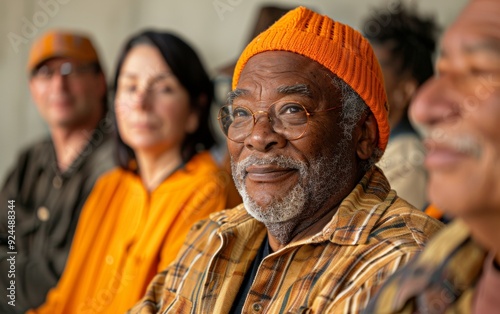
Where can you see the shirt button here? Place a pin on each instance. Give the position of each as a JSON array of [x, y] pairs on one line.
[[109, 260], [197, 225], [57, 182], [257, 307], [43, 213]]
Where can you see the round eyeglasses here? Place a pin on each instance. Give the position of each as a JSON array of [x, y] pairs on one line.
[[288, 119]]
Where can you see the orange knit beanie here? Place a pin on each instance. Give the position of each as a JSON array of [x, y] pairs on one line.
[[338, 47]]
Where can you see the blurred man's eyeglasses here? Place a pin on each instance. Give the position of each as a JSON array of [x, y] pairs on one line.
[[69, 69], [288, 119]]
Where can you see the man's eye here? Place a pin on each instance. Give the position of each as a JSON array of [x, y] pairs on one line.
[[481, 72], [129, 88], [45, 71], [240, 113], [291, 108]]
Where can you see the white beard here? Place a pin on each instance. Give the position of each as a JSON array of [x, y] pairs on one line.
[[319, 182]]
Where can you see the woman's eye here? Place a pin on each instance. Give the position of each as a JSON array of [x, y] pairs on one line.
[[162, 88]]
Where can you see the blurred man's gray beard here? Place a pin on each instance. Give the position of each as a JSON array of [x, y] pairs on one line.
[[319, 182]]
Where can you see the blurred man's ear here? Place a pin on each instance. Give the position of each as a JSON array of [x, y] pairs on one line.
[[409, 88], [402, 94], [368, 137]]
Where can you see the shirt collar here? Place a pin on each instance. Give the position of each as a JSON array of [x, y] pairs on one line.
[[355, 219], [50, 160], [360, 211]]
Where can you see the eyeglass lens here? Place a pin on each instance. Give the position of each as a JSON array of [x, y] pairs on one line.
[[288, 119]]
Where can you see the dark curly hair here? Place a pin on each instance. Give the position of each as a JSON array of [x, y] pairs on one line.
[[188, 69], [413, 37]]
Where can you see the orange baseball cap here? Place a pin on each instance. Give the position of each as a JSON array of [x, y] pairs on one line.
[[336, 46], [61, 44]]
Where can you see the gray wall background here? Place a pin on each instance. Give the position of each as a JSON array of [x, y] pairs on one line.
[[218, 29]]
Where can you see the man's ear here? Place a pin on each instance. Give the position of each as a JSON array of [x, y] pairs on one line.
[[409, 88], [367, 141]]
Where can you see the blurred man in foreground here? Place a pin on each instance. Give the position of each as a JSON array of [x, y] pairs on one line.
[[459, 270]]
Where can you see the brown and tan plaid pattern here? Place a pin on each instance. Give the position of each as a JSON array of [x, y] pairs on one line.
[[336, 271], [441, 279]]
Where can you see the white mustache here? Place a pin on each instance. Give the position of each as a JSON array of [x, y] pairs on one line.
[[461, 143], [239, 169]]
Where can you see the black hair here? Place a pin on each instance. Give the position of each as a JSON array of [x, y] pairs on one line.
[[188, 69], [413, 37]]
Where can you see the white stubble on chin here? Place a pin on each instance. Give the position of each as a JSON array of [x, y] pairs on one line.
[[317, 183]]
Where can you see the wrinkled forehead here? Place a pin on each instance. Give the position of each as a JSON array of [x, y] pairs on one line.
[[275, 70], [478, 23], [283, 63]]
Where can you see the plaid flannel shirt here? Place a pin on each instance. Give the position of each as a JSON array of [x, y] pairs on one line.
[[441, 279], [373, 233]]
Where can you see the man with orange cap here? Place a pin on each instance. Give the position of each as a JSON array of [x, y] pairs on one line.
[[319, 229], [51, 180]]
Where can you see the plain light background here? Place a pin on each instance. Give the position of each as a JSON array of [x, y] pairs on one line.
[[217, 29]]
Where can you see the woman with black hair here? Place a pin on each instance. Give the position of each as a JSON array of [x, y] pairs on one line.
[[138, 215]]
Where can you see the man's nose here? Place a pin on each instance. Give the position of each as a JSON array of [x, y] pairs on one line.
[[436, 102], [59, 80], [259, 114], [263, 137]]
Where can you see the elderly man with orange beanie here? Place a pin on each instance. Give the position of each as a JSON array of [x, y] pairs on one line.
[[319, 229]]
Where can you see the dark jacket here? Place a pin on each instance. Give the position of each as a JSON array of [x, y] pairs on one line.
[[46, 209]]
